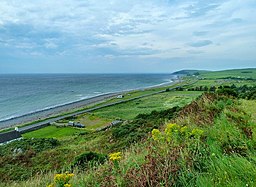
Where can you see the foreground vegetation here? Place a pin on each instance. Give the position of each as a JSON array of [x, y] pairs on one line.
[[180, 138]]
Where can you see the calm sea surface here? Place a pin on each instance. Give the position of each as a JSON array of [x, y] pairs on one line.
[[22, 94]]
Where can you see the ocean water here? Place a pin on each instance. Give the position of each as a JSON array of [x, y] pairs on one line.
[[23, 94]]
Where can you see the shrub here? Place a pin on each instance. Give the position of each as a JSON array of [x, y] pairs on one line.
[[142, 125], [228, 91], [86, 160], [35, 144]]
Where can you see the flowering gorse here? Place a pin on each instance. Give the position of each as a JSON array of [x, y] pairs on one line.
[[62, 180]]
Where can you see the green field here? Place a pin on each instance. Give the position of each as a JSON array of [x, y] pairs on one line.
[[145, 105], [53, 132], [238, 73], [224, 78]]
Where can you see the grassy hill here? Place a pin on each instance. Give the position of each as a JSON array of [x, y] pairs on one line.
[[240, 73], [178, 138], [234, 73], [189, 72]]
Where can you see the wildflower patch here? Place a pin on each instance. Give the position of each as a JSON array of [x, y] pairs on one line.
[[62, 180], [174, 133]]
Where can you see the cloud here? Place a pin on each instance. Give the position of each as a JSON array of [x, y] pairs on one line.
[[200, 33], [130, 28], [195, 51], [49, 44], [200, 43], [200, 9]]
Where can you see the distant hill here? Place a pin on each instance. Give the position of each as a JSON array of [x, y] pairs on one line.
[[189, 72]]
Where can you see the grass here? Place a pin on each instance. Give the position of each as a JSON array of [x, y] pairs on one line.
[[250, 108], [242, 73], [53, 132], [217, 78], [146, 105], [216, 159], [91, 121]]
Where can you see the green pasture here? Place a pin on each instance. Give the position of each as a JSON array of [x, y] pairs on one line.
[[238, 73], [146, 105], [52, 132]]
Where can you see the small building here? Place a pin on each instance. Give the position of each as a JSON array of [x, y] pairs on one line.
[[70, 123], [79, 125], [119, 96], [76, 124], [116, 122], [9, 136]]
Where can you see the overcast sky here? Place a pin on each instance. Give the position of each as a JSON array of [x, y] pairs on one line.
[[126, 36]]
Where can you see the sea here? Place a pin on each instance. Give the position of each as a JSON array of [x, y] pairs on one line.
[[21, 94]]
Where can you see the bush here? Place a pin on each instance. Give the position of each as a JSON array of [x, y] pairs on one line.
[[35, 144], [142, 124], [17, 157], [86, 160], [228, 91], [252, 95]]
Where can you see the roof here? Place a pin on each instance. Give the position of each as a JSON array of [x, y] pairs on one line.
[[7, 136]]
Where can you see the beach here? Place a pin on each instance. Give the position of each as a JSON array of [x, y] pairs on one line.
[[67, 108], [47, 113]]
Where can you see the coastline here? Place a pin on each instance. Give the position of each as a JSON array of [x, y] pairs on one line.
[[68, 107]]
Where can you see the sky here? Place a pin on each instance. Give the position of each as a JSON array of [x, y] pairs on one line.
[[126, 36]]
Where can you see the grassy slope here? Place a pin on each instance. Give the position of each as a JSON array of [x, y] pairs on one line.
[[222, 77], [222, 169], [223, 156], [241, 73]]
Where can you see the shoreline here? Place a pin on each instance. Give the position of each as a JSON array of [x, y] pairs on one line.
[[54, 111]]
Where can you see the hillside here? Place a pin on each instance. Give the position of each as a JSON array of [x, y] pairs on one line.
[[189, 72], [235, 73], [200, 134]]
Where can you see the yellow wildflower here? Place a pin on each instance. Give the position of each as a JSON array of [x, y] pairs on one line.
[[184, 129], [50, 185], [58, 177], [156, 134], [197, 132], [115, 156], [64, 178], [67, 185], [170, 128], [70, 175]]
